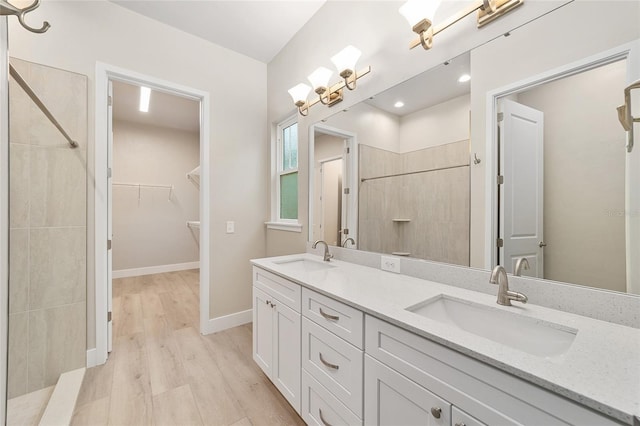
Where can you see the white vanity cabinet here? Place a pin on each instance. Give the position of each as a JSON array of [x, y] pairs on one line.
[[417, 380], [332, 361], [276, 332]]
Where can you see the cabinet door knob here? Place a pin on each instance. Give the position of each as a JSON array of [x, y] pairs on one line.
[[436, 412], [324, 422], [328, 364], [329, 317]]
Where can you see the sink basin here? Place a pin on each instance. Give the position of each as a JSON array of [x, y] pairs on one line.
[[536, 337], [304, 265]]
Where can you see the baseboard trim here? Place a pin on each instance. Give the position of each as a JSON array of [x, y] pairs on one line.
[[228, 321], [91, 358], [136, 272], [63, 399]]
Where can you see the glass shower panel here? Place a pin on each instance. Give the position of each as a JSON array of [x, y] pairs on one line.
[[47, 235]]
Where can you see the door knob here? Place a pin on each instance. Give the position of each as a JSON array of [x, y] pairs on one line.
[[542, 244], [436, 412]]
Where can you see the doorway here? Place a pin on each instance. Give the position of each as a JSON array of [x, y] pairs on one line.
[[333, 190], [106, 76], [563, 175]]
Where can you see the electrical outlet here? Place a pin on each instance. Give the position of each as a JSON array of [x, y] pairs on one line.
[[391, 264], [231, 227]]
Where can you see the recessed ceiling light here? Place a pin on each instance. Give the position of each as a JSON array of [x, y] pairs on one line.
[[399, 104], [145, 96], [464, 78]]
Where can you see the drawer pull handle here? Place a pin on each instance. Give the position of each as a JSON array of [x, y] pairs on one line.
[[329, 317], [436, 412], [324, 422], [460, 424], [328, 364]]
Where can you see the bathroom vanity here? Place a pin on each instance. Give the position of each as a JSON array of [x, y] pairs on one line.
[[350, 344]]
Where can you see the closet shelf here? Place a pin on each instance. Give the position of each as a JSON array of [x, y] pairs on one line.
[[193, 224]]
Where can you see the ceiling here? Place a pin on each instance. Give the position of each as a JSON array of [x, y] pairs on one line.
[[258, 29], [165, 110], [430, 88]]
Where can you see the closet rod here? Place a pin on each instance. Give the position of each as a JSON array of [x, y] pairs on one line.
[[415, 173], [36, 100]]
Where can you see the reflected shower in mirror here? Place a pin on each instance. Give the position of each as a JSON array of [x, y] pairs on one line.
[[410, 179], [562, 155]]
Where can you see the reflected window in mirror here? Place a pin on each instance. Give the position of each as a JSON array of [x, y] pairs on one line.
[[287, 171]]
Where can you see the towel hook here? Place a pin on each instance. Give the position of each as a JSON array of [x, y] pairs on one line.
[[476, 160], [7, 9]]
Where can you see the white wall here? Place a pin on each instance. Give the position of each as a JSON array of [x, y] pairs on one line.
[[85, 32], [554, 40], [440, 124], [383, 35], [373, 126], [148, 228]]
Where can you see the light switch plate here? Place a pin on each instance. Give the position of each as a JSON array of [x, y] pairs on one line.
[[391, 264], [231, 227]]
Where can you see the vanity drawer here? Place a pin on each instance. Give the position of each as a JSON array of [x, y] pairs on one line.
[[334, 363], [321, 408], [460, 418], [282, 289], [340, 319], [489, 395]]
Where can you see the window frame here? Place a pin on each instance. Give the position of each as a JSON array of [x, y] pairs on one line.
[[277, 222]]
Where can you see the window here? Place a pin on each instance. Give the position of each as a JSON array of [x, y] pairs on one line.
[[285, 202]]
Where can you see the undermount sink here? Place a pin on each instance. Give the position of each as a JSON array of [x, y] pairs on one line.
[[526, 334], [304, 265]]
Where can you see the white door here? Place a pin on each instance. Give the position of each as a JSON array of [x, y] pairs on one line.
[[262, 331], [286, 353], [109, 218], [521, 195], [392, 399]]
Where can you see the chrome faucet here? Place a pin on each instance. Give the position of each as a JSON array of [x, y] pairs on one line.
[[521, 264], [327, 255], [346, 240], [505, 296]]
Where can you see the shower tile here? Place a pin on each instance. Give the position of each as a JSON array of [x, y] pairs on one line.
[[19, 164], [65, 94], [18, 270], [58, 187], [19, 105], [57, 343], [18, 347], [58, 267]]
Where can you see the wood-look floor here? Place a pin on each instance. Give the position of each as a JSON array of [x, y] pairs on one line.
[[163, 372]]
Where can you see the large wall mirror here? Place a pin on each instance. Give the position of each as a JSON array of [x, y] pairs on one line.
[[394, 174]]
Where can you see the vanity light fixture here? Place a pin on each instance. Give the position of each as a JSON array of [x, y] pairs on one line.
[[345, 62], [145, 96], [464, 78], [420, 14]]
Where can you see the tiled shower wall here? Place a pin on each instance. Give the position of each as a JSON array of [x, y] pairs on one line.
[[416, 203], [47, 247]]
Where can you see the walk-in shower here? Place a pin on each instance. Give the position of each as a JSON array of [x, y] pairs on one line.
[[47, 229]]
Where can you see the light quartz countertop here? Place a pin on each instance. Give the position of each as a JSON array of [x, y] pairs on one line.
[[600, 370]]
